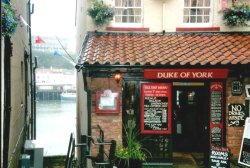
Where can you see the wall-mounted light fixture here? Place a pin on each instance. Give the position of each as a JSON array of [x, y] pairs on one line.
[[117, 76]]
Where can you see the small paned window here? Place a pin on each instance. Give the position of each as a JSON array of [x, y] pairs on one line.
[[196, 11], [128, 11]]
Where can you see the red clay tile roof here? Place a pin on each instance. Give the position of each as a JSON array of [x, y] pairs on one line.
[[168, 49]]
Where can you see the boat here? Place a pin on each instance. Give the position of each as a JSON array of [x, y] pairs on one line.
[[68, 95]]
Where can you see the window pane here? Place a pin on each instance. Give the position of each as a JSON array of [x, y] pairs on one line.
[[131, 19], [137, 19], [200, 3], [186, 19], [118, 19], [206, 11], [192, 19], [206, 19], [125, 12], [137, 3], [193, 3], [130, 11], [186, 3], [124, 3], [186, 11], [199, 19], [207, 3], [118, 2], [118, 11], [193, 12], [199, 11], [130, 3], [137, 11]]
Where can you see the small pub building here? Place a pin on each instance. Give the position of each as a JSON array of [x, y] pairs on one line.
[[186, 92]]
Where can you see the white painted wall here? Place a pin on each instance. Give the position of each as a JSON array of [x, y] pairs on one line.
[[161, 15], [18, 104]]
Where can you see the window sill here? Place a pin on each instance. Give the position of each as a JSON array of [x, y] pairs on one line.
[[140, 29], [197, 29]]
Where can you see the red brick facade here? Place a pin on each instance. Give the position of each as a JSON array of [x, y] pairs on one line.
[[234, 134]]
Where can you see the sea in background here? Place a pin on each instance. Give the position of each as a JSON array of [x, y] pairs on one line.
[[55, 121]]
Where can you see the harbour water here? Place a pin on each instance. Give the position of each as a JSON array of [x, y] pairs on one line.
[[55, 121]]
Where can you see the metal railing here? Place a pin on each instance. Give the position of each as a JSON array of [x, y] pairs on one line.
[[72, 162], [71, 152]]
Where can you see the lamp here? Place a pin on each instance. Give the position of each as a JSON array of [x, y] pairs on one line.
[[117, 76]]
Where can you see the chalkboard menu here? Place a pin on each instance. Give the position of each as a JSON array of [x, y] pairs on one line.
[[244, 156], [216, 106], [216, 136], [155, 108], [219, 157], [216, 114], [237, 115]]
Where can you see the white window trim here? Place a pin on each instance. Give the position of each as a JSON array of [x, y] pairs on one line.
[[127, 25], [199, 24]]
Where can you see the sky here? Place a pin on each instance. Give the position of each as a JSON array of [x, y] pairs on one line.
[[53, 18]]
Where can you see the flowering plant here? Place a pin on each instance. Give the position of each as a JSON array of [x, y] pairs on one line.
[[237, 15], [100, 13], [9, 19]]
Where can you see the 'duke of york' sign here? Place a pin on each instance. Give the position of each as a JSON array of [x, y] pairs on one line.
[[237, 115]]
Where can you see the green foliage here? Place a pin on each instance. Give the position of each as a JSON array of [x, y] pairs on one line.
[[100, 13], [9, 19], [133, 149], [47, 60], [237, 15]]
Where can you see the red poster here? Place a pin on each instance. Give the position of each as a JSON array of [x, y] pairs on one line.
[[156, 108], [216, 114]]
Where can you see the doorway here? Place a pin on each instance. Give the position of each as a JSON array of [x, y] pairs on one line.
[[190, 117]]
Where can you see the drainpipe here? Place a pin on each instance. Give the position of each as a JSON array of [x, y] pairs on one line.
[[30, 11], [7, 98], [34, 85]]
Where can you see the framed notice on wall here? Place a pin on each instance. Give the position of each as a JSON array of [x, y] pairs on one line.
[[107, 102], [155, 108], [244, 156]]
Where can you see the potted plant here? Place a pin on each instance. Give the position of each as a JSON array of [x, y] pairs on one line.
[[9, 19], [132, 154], [237, 15], [100, 13]]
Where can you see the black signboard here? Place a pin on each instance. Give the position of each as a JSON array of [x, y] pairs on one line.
[[216, 106], [216, 114], [244, 156], [155, 108], [155, 113], [236, 88], [237, 115], [245, 151], [219, 158], [216, 136]]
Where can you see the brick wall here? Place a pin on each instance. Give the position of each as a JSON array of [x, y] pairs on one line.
[[111, 124], [234, 134]]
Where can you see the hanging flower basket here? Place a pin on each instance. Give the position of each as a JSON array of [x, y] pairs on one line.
[[9, 19], [237, 15], [100, 13]]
